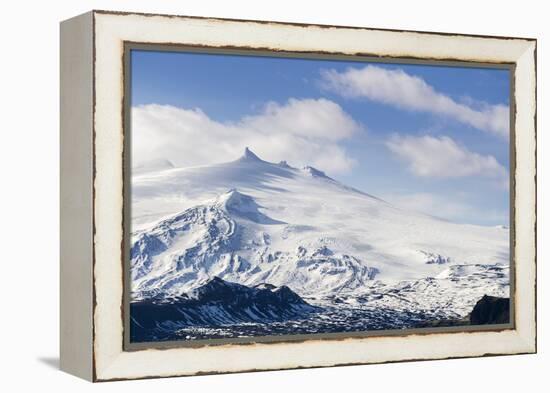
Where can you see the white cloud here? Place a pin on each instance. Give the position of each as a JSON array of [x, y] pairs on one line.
[[397, 88], [305, 131], [308, 118], [442, 157], [444, 207]]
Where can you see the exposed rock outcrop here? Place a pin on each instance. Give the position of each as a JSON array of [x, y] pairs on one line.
[[490, 310]]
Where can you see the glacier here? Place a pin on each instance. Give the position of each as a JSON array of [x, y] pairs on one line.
[[255, 223]]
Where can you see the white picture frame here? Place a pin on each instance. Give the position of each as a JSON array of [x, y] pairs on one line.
[[92, 194]]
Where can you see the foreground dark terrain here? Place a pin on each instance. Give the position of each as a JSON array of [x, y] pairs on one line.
[[220, 309]]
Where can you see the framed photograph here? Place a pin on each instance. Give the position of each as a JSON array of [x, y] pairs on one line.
[[248, 195]]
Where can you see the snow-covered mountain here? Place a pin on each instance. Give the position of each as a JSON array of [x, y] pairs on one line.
[[250, 222]]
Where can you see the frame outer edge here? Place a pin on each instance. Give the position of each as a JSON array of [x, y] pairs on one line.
[[526, 180], [76, 204]]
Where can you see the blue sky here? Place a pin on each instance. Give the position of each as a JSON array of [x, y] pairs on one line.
[[429, 138]]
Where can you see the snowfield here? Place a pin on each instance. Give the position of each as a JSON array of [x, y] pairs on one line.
[[253, 222]]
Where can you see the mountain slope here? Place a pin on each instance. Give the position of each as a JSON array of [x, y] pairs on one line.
[[250, 222], [217, 302]]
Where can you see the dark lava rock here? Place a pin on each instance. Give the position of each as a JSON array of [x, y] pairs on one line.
[[443, 323], [491, 310], [217, 303]]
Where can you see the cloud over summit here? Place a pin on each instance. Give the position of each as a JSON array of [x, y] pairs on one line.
[[301, 131]]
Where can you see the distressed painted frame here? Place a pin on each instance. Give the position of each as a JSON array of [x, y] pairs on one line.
[[92, 194]]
